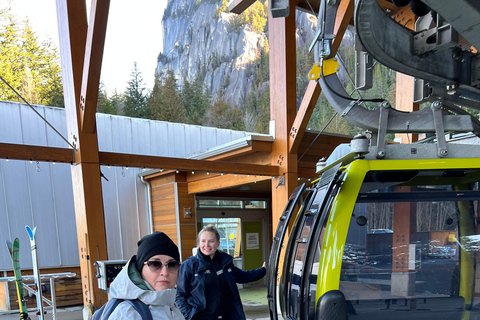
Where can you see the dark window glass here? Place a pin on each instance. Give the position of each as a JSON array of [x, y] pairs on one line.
[[411, 255]]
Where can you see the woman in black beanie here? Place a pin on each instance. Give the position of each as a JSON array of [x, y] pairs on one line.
[[149, 276]]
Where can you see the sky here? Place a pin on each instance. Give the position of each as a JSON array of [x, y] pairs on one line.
[[134, 34]]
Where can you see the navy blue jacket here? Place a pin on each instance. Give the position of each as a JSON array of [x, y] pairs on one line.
[[191, 284]]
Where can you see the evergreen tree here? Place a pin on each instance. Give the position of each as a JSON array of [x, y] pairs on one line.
[[321, 116], [236, 119], [196, 100], [263, 112], [257, 112], [165, 101], [117, 101], [250, 115], [305, 62], [135, 98], [29, 67], [256, 116], [256, 16], [217, 115], [155, 100], [263, 65], [104, 103], [222, 115], [52, 93]]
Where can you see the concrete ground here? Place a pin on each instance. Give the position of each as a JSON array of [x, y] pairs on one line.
[[254, 303]]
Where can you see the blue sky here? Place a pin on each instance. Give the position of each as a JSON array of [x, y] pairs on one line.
[[134, 34]]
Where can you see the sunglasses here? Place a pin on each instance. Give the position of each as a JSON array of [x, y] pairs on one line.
[[156, 265]]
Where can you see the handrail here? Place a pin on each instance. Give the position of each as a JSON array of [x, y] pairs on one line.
[[51, 277]]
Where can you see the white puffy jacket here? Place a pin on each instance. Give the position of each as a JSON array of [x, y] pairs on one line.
[[161, 303]]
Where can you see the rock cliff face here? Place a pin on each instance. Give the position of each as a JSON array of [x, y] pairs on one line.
[[198, 44]]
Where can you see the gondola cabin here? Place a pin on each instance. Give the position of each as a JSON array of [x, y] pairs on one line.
[[382, 239]]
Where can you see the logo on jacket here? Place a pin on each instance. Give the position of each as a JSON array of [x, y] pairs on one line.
[[207, 271]]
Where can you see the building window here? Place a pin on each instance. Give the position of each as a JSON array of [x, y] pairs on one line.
[[236, 204], [228, 228], [232, 204]]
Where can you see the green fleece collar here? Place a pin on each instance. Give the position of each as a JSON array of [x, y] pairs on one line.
[[137, 279]]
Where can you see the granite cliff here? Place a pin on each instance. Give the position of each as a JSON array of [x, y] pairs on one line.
[[198, 40]]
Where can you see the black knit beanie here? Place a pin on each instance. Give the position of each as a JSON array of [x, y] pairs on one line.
[[153, 244]]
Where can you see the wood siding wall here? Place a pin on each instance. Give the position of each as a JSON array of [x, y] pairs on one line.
[[169, 199], [188, 227]]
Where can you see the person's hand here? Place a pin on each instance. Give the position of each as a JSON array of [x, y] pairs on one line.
[[264, 264]]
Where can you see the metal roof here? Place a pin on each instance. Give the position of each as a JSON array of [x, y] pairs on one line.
[[40, 194]]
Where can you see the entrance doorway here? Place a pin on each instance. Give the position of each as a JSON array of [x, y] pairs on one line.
[[243, 227]]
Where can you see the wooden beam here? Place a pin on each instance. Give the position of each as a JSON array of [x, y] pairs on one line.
[[143, 161], [35, 153], [222, 182], [238, 6], [342, 20], [97, 29], [258, 158], [405, 17], [72, 25], [63, 155], [303, 115]]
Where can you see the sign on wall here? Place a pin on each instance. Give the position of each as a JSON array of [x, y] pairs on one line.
[[253, 241]]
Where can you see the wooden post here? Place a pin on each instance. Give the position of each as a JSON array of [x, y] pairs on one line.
[[404, 102], [283, 106], [82, 47], [404, 226]]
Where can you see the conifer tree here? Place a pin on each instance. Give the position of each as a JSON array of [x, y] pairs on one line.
[[104, 103], [29, 67], [263, 112], [217, 115], [118, 102], [52, 94], [167, 102], [155, 100], [196, 100], [222, 115], [135, 98]]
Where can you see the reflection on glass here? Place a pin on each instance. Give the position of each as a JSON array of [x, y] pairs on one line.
[[206, 203], [229, 230], [407, 257]]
